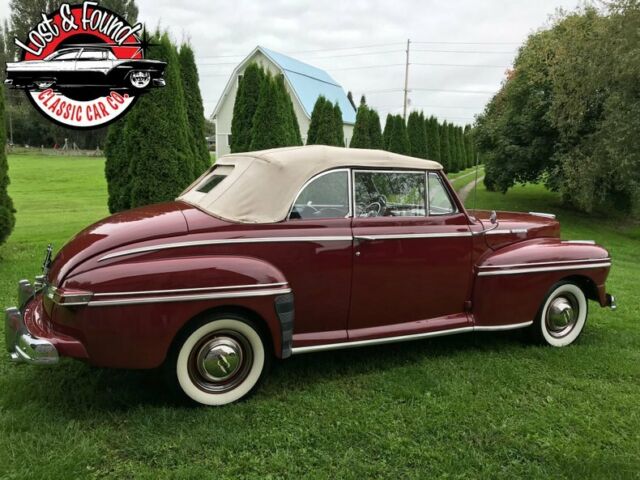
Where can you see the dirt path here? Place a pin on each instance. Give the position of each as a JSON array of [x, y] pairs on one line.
[[467, 189]]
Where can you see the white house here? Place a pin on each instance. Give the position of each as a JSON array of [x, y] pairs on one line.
[[304, 83]]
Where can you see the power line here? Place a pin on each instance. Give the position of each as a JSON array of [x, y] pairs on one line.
[[460, 65], [468, 43], [453, 91], [483, 52]]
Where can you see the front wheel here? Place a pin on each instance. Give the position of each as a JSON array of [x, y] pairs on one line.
[[562, 316], [218, 360]]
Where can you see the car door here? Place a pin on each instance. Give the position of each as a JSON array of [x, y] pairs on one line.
[[317, 259], [412, 255], [92, 66]]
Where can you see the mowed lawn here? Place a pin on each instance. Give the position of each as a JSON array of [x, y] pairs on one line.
[[470, 406]]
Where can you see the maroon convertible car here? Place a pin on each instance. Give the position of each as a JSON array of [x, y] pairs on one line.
[[362, 247]]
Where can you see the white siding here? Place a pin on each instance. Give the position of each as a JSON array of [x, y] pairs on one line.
[[225, 111]]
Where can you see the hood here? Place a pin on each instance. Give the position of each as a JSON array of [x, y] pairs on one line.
[[144, 223], [517, 226]]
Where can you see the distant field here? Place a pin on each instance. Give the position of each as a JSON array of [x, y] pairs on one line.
[[470, 406]]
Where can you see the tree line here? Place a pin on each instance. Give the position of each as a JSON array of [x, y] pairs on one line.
[[263, 117], [421, 137], [568, 113]]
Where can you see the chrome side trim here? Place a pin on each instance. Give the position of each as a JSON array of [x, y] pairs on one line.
[[542, 214], [499, 328], [585, 242], [189, 298], [186, 290], [378, 341], [510, 231], [517, 271], [224, 241], [405, 338], [400, 236], [535, 264]]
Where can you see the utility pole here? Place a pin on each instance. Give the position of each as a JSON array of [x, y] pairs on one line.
[[406, 82]]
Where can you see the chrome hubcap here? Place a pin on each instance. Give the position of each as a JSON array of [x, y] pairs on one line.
[[140, 79], [219, 359], [561, 315]]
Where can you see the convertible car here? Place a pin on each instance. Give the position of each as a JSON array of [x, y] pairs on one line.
[[295, 250], [87, 67]]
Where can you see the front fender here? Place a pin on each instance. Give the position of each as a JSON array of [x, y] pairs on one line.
[[511, 283], [137, 308]]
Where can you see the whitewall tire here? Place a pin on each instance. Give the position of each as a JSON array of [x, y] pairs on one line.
[[219, 360], [562, 316]]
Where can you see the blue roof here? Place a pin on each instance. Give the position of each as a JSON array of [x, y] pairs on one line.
[[310, 82]]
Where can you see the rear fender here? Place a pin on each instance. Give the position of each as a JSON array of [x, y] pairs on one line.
[[138, 307]]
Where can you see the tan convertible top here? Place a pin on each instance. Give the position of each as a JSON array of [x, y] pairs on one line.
[[262, 186]]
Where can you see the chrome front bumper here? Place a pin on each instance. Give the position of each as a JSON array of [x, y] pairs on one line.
[[22, 345]]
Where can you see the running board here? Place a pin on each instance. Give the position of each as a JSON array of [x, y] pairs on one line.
[[406, 338]]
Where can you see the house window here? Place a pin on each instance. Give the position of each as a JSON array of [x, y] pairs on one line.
[[229, 140]]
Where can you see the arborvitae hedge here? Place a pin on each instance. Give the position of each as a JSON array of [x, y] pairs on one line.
[[361, 128], [195, 110], [338, 125], [433, 138], [445, 155], [375, 130], [7, 212], [157, 138], [117, 168], [417, 135], [245, 106], [399, 138], [386, 135]]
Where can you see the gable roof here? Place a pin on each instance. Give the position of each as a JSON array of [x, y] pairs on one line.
[[306, 81]]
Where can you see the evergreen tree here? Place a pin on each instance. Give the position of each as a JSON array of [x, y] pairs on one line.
[[244, 107], [117, 168], [453, 151], [433, 138], [7, 212], [386, 135], [445, 156], [338, 125], [286, 113], [271, 123], [361, 128], [399, 139], [375, 131], [326, 127], [461, 149], [316, 117], [195, 110], [468, 142], [417, 135], [156, 136]]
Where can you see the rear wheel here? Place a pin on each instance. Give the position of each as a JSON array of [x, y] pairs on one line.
[[562, 316], [218, 360]]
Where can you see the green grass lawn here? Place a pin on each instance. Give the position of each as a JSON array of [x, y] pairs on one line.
[[470, 406]]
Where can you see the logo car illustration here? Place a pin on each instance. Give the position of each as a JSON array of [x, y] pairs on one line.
[[86, 67]]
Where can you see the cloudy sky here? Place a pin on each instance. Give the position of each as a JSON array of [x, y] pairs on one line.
[[456, 45]]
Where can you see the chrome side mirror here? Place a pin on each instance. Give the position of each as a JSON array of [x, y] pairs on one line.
[[494, 217]]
